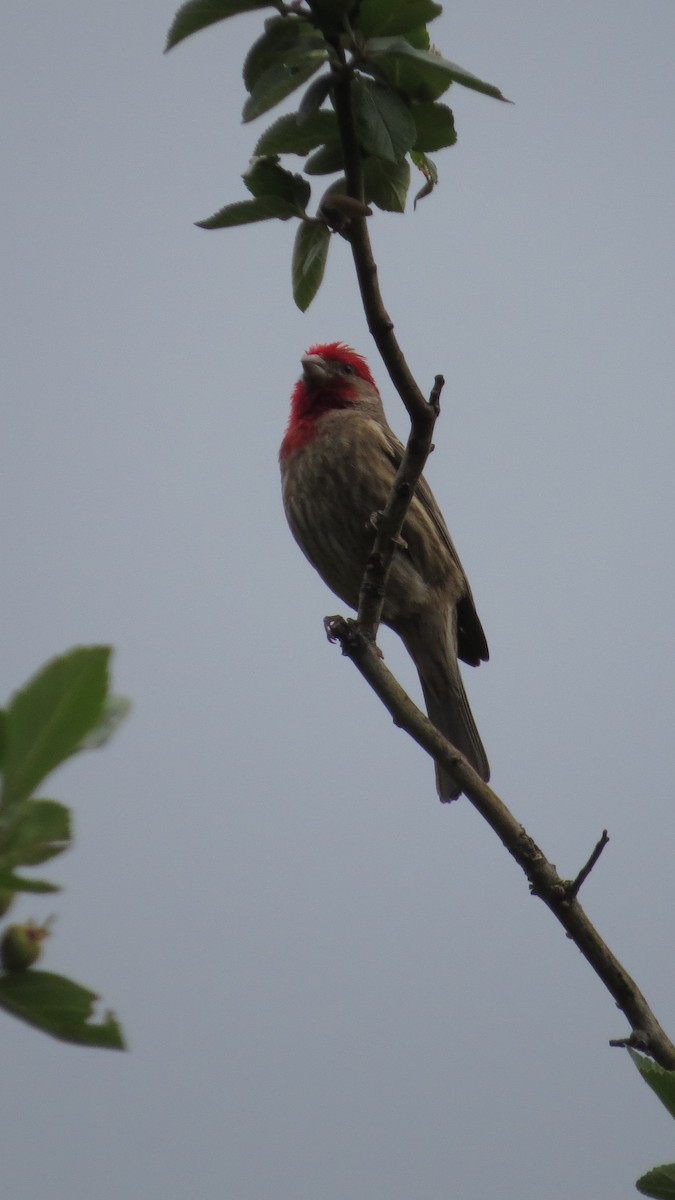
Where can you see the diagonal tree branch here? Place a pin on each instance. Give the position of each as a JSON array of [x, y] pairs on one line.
[[558, 894], [357, 638]]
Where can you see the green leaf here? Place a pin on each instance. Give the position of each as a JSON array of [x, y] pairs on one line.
[[197, 14], [3, 735], [380, 17], [467, 80], [60, 1007], [36, 831], [661, 1082], [244, 212], [309, 262], [325, 161], [422, 74], [49, 717], [435, 126], [419, 38], [428, 169], [386, 184], [412, 79], [330, 15], [17, 883], [265, 177], [288, 136], [384, 125], [276, 83], [313, 98], [659, 1182], [282, 35], [115, 710]]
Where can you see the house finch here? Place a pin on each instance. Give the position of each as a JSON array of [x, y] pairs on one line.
[[338, 462]]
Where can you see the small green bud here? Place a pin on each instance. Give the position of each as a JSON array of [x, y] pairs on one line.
[[21, 945]]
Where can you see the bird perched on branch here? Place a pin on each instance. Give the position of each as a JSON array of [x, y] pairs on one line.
[[338, 462]]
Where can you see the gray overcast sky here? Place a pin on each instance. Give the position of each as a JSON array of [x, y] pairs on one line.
[[332, 986]]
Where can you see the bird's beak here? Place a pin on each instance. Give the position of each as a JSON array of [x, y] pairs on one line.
[[313, 368]]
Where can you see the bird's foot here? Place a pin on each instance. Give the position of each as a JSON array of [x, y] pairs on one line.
[[374, 523]]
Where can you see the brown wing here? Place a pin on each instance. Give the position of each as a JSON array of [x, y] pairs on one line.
[[472, 645]]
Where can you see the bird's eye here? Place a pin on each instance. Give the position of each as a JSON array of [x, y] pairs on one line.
[[347, 369]]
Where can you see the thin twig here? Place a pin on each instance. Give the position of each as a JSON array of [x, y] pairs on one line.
[[574, 886]]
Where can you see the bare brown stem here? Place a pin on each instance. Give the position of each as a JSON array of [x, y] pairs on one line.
[[545, 882]]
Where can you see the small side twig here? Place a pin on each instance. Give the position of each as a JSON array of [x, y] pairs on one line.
[[572, 889], [637, 1040], [435, 397]]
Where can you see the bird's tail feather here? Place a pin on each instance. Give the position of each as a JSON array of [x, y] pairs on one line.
[[446, 702]]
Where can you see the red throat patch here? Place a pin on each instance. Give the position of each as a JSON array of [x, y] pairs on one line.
[[310, 400]]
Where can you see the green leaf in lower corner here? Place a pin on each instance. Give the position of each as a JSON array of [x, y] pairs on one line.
[[244, 212], [48, 718], [659, 1183], [197, 14], [59, 1007], [660, 1081], [309, 262]]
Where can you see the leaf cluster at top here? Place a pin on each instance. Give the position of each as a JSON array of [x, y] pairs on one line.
[[381, 48]]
